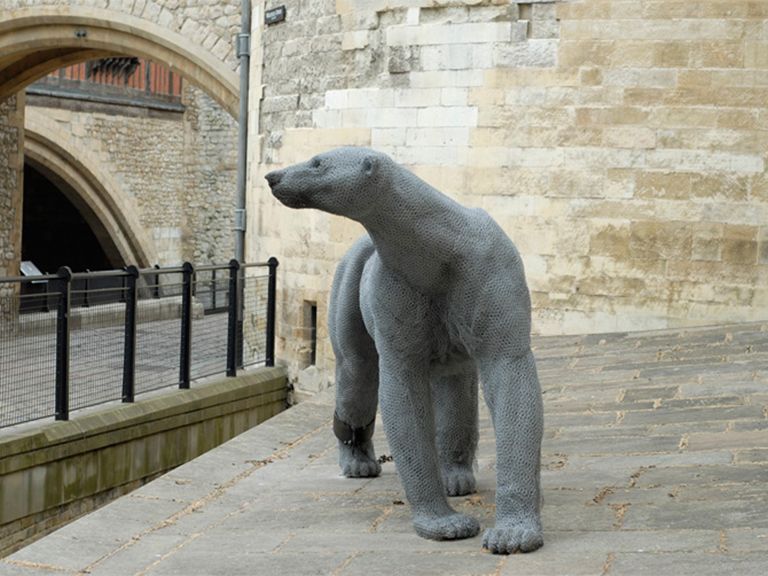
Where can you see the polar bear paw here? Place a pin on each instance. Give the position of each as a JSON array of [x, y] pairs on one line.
[[524, 537], [453, 526], [459, 480], [358, 461]]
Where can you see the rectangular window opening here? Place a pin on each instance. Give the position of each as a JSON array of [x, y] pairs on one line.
[[310, 331]]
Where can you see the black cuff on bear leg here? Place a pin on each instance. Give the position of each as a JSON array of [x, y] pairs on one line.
[[349, 435]]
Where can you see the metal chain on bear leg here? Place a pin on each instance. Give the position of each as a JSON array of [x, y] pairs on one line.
[[350, 435]]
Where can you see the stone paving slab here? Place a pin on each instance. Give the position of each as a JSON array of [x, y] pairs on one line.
[[655, 461]]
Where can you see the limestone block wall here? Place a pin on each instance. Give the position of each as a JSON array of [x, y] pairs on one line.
[[621, 144], [11, 187], [178, 171]]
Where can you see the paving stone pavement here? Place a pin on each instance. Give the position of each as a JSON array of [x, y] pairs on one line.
[[655, 461]]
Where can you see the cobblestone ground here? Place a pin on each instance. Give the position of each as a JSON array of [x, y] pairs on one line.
[[655, 462]]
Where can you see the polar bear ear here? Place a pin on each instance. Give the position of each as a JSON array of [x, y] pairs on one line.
[[370, 165]]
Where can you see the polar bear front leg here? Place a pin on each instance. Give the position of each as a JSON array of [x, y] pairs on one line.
[[357, 383], [511, 389], [357, 367], [406, 409]]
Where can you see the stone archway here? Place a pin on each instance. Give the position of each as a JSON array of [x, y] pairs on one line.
[[98, 196], [35, 41]]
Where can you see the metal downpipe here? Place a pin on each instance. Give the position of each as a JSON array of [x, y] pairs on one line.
[[244, 54]]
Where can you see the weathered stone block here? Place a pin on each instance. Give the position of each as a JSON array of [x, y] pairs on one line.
[[668, 185], [707, 242], [762, 255], [722, 187], [629, 137], [538, 53], [401, 59], [740, 244], [660, 240], [355, 40], [611, 240]]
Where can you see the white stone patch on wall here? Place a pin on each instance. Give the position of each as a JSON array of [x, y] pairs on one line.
[[443, 136], [451, 34], [441, 116], [457, 57], [168, 242], [417, 96], [388, 137]]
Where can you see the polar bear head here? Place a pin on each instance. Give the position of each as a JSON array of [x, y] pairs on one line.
[[345, 181]]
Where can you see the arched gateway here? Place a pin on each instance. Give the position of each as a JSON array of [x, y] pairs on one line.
[[38, 38], [96, 195], [35, 41]]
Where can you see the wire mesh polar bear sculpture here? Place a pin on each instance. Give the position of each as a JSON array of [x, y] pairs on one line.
[[431, 299]]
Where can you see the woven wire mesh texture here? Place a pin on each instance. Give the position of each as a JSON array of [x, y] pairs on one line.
[[209, 323], [158, 332], [254, 318], [97, 342], [27, 355]]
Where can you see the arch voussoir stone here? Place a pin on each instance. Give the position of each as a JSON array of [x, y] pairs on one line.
[[37, 40]]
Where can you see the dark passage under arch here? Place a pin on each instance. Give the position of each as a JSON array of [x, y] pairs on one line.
[[54, 231]]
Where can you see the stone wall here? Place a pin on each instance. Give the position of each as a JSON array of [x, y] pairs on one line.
[[11, 183], [210, 164], [178, 170], [621, 144]]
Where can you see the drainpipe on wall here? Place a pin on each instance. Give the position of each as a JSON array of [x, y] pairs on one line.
[[244, 54]]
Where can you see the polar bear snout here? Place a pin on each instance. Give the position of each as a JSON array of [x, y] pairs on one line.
[[274, 177], [287, 195]]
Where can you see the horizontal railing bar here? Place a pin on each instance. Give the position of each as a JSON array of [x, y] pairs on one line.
[[27, 279], [154, 271], [211, 267], [117, 273], [99, 274]]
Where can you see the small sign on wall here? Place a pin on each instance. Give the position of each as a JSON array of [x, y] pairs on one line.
[[274, 15]]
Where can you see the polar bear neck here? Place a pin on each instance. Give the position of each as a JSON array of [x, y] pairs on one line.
[[414, 228]]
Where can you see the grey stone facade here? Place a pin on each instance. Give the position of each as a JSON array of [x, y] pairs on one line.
[[11, 144], [178, 171]]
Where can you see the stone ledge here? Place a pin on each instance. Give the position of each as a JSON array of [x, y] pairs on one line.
[[48, 472]]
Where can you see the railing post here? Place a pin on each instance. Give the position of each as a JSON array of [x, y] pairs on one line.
[[185, 363], [271, 309], [86, 302], [156, 288], [64, 288], [129, 344], [213, 289], [233, 309]]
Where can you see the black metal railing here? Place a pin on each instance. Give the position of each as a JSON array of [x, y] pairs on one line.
[[82, 339]]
